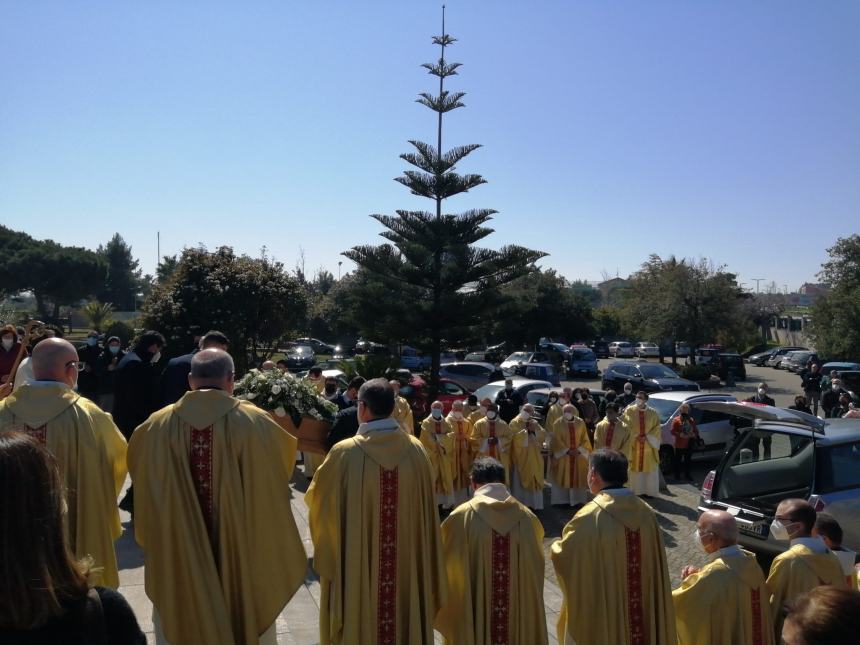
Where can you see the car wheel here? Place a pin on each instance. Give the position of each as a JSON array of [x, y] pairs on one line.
[[666, 455]]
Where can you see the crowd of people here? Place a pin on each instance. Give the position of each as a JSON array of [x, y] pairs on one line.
[[212, 512], [825, 392]]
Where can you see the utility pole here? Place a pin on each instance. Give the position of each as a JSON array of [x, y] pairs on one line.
[[158, 245], [757, 280]]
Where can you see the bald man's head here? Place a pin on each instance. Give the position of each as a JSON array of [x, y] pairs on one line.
[[717, 530], [211, 368], [55, 359]]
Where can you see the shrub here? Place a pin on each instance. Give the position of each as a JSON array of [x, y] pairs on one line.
[[696, 372]]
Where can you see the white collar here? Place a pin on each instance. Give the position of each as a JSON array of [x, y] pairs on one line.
[[379, 425], [617, 492], [495, 490], [814, 544], [726, 551]]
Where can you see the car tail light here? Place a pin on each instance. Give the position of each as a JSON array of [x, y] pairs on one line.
[[708, 484], [817, 503]]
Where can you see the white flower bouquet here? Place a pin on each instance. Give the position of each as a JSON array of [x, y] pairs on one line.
[[284, 396]]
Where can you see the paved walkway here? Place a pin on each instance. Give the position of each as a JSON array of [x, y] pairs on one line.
[[298, 623]]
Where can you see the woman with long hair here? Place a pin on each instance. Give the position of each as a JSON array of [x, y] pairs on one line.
[[45, 596]]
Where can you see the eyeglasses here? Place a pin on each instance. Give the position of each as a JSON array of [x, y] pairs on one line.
[[78, 365]]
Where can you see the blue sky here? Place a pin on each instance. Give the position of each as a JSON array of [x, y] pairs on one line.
[[729, 130]]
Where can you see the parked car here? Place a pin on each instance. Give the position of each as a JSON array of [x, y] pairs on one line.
[[851, 382], [541, 372], [799, 360], [415, 392], [705, 354], [646, 350], [651, 377], [369, 347], [317, 345], [476, 357], [786, 454], [583, 362], [496, 353], [761, 357], [784, 360], [620, 348], [715, 428], [839, 366], [342, 351], [682, 349], [300, 357], [515, 361], [725, 361], [780, 353], [521, 385], [471, 374], [539, 397], [600, 348], [414, 359]]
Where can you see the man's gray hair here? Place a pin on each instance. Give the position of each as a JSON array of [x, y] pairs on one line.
[[211, 364]]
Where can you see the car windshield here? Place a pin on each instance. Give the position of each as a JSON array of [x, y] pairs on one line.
[[656, 371], [518, 356], [301, 349], [583, 355], [664, 407]]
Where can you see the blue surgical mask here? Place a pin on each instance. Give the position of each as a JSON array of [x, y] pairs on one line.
[[92, 341], [114, 349]]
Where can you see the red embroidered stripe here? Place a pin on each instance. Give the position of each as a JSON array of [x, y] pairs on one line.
[[641, 448], [40, 434], [571, 428], [609, 434], [501, 594], [635, 614], [755, 598], [200, 461], [387, 589], [493, 452]]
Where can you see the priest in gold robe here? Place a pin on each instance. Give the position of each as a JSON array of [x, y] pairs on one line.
[[375, 530], [611, 565], [724, 602], [569, 449], [643, 446], [481, 412], [492, 438], [437, 439], [89, 449], [611, 432], [554, 410], [212, 506], [493, 549], [402, 410], [464, 451], [807, 564], [527, 475]]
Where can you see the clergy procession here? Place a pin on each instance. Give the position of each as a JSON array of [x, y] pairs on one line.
[[414, 538]]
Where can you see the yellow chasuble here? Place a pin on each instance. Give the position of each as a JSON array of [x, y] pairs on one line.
[[403, 415], [642, 455], [527, 445], [377, 547], [483, 430], [494, 556], [555, 412], [475, 416], [611, 435], [439, 444], [611, 566], [797, 571], [725, 603], [567, 471], [90, 453], [464, 451], [212, 509]]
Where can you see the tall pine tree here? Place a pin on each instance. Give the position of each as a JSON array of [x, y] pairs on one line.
[[444, 284], [123, 278]]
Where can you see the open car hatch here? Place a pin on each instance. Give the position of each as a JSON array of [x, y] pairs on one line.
[[757, 412]]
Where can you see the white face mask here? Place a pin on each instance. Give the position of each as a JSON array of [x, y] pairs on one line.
[[641, 404], [780, 530], [628, 390], [491, 415], [762, 392], [835, 387], [92, 341], [155, 357], [568, 416], [697, 538], [436, 412], [8, 342], [525, 416], [458, 415]]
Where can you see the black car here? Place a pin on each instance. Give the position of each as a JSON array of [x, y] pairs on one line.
[[761, 357], [600, 348], [369, 347], [651, 377], [300, 357], [725, 361]]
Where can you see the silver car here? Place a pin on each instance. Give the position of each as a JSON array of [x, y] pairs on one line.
[[469, 374], [521, 385], [785, 454]]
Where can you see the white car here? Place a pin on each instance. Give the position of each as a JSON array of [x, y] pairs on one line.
[[646, 350], [621, 348]]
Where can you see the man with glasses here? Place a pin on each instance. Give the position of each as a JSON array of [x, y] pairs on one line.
[[89, 449], [212, 512], [375, 530], [807, 564]]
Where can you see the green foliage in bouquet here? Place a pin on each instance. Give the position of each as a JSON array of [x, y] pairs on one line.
[[282, 394]]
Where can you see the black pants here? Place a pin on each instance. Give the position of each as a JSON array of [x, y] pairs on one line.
[[685, 454]]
